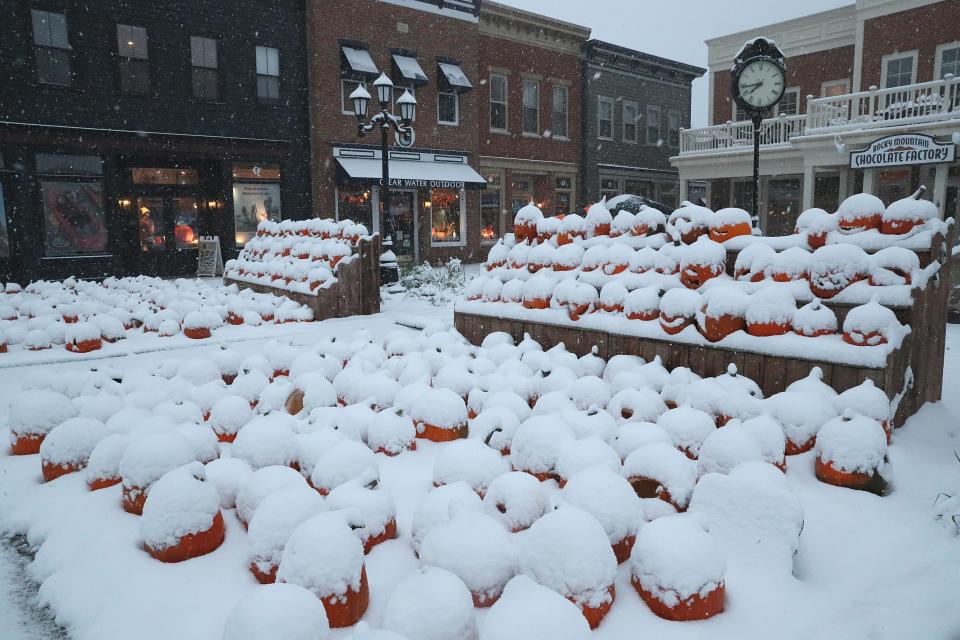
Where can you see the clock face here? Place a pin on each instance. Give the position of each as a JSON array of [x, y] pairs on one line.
[[761, 84]]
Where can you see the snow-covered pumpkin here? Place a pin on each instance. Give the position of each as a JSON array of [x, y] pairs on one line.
[[391, 433], [893, 266], [587, 453], [536, 446], [642, 304], [701, 261], [182, 519], [801, 414], [259, 484], [677, 568], [497, 256], [68, 446], [814, 319], [608, 497], [678, 309], [540, 257], [198, 324], [431, 604], [870, 324], [769, 436], [477, 549], [275, 611], [273, 521], [33, 414], [517, 256], [512, 291], [860, 212], [578, 298], [324, 556], [904, 215], [819, 228], [667, 260], [568, 551], [661, 471], [572, 227], [770, 312], [726, 448], [852, 453], [598, 220], [146, 460], [547, 227], [538, 290], [867, 399], [688, 428], [622, 223], [493, 287], [612, 297], [471, 461], [369, 510], [516, 499], [689, 222], [438, 506], [102, 469], [790, 264], [525, 223], [730, 223], [835, 267], [228, 415], [567, 257], [529, 610], [617, 259], [722, 312], [343, 462], [753, 262], [643, 260], [648, 221], [440, 415], [82, 337]]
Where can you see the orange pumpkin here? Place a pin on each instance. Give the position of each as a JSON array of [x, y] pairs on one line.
[[796, 448], [26, 444], [872, 482], [765, 329], [84, 346], [536, 303], [193, 544], [346, 610], [196, 333], [133, 500], [52, 471], [696, 607], [102, 483], [623, 548], [389, 533], [233, 318], [595, 615], [673, 325], [436, 433], [719, 327]]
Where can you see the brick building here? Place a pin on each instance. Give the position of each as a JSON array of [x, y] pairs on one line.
[[529, 129], [855, 78], [635, 106], [130, 128]]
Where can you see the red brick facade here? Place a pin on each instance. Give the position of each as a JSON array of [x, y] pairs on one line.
[[921, 29], [808, 72]]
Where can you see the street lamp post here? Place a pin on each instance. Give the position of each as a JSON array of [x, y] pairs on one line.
[[386, 121]]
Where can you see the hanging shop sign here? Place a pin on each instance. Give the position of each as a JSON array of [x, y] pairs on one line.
[[903, 149]]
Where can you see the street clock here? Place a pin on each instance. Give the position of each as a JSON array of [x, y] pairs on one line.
[[759, 76]]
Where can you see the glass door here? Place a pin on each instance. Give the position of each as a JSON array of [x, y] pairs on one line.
[[402, 226], [168, 233]]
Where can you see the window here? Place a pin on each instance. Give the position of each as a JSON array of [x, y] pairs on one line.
[[448, 108], [4, 236], [739, 115], [346, 88], [826, 192], [255, 199], [268, 75], [783, 196], [653, 126], [561, 106], [948, 60], [531, 106], [564, 195], [521, 192], [491, 203], [51, 47], [898, 70], [668, 195], [790, 102], [164, 175], [71, 194], [498, 103], [605, 118], [206, 78], [631, 113], [673, 129], [133, 62], [834, 88], [609, 187], [446, 216], [353, 203]]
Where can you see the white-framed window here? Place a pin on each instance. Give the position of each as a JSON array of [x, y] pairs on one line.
[[790, 102], [604, 118], [673, 129], [898, 69], [446, 208], [133, 60], [448, 108], [631, 116], [206, 74], [268, 75], [739, 113], [51, 47], [498, 103], [561, 108], [948, 60], [346, 88], [832, 88], [531, 106], [653, 126]]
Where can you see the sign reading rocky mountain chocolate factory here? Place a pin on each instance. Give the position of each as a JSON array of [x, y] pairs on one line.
[[902, 149]]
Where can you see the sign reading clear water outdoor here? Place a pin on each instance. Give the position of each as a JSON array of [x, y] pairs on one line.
[[432, 184], [903, 149]]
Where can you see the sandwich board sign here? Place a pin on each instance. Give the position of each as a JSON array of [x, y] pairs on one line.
[[209, 259]]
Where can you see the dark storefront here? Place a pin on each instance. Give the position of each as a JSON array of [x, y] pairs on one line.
[[129, 131]]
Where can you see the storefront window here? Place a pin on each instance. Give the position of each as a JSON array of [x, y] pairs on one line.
[[491, 201], [564, 195], [445, 215], [185, 223], [637, 188], [826, 192], [4, 235], [743, 195], [353, 203], [165, 175], [73, 216], [609, 187], [784, 206], [153, 228], [668, 195], [893, 185], [254, 202], [521, 193]]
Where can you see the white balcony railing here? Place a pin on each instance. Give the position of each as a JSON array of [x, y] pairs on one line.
[[912, 104]]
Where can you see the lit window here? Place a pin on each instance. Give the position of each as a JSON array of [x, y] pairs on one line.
[[51, 47], [531, 106], [206, 77], [834, 88], [605, 118], [561, 102], [446, 216], [498, 102], [631, 114], [268, 75], [491, 203], [133, 62]]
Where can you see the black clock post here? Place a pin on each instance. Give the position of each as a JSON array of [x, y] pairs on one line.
[[758, 82]]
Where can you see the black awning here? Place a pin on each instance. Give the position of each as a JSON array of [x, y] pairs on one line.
[[357, 63], [453, 78], [409, 70]]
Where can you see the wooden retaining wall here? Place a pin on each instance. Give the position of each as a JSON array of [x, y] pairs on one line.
[[357, 291], [912, 375]]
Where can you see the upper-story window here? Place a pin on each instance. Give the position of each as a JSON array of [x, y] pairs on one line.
[[899, 69], [498, 102], [605, 118], [673, 129], [448, 108], [833, 88], [206, 75], [631, 114], [268, 75], [790, 102], [653, 126], [451, 82], [948, 60], [739, 114], [134, 63], [51, 47], [356, 69], [561, 107], [531, 106]]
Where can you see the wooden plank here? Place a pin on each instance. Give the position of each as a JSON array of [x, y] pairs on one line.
[[678, 356], [844, 377], [736, 359], [797, 370], [775, 376], [753, 367], [715, 362], [697, 360]]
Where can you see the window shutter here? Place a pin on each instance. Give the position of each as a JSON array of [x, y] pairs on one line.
[[124, 37], [196, 51], [210, 53], [58, 30], [41, 28], [138, 35], [273, 61]]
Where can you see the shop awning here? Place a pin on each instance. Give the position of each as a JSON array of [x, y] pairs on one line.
[[358, 62], [413, 174], [409, 69], [455, 77]]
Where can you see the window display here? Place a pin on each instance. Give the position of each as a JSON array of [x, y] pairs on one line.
[[254, 202], [445, 215], [353, 203], [153, 229], [74, 219]]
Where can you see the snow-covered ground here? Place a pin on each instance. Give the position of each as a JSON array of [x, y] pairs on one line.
[[867, 566]]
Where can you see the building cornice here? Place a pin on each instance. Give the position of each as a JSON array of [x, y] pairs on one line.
[[500, 21], [637, 62]]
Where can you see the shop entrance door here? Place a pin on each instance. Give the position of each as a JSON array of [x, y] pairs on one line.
[[169, 233], [402, 225]]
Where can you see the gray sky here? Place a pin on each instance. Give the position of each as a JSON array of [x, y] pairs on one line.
[[674, 28]]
